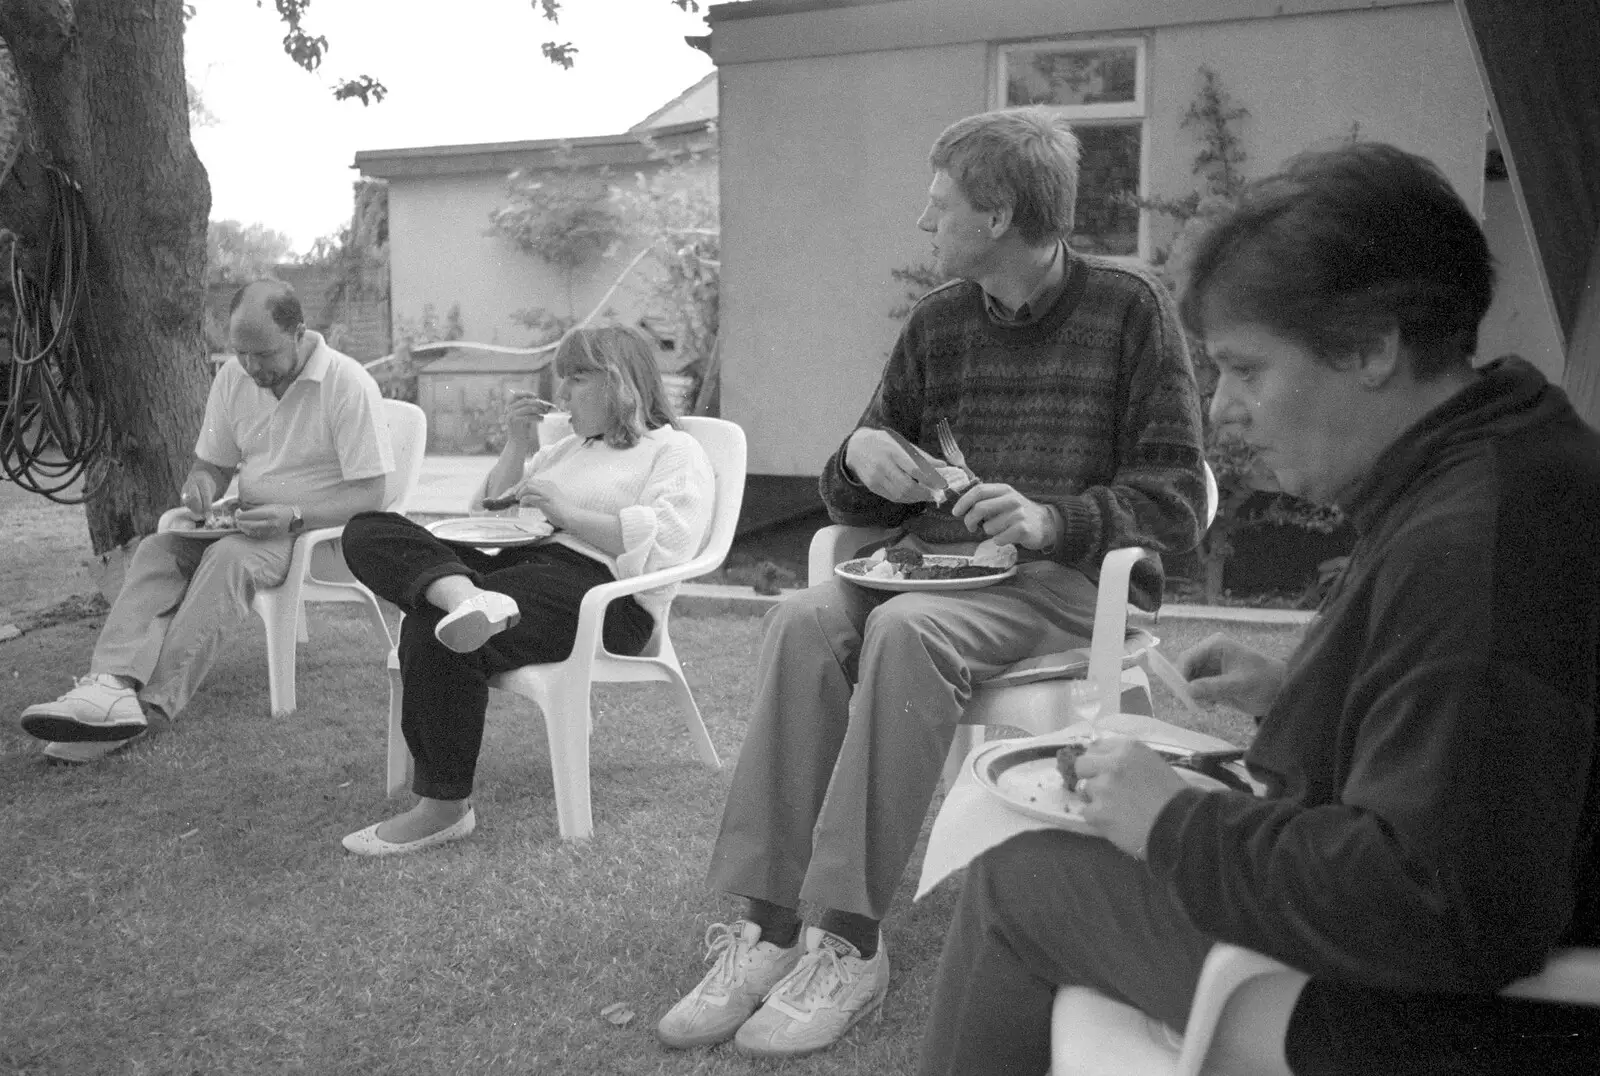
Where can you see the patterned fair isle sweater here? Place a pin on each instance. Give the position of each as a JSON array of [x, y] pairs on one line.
[[661, 490], [1093, 409]]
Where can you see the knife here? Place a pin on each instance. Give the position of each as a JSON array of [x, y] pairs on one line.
[[1214, 764], [926, 475]]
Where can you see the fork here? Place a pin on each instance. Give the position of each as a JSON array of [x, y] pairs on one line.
[[952, 451]]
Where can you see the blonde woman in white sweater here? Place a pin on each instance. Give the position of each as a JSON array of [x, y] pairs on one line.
[[628, 492]]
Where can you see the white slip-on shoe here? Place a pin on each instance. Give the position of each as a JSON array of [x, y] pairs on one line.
[[829, 991], [97, 709], [476, 621], [745, 969], [366, 842], [87, 750]]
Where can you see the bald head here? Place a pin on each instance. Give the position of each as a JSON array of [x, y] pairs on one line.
[[265, 327], [272, 299]]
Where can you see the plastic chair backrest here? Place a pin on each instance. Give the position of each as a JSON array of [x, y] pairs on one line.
[[408, 437], [724, 444]]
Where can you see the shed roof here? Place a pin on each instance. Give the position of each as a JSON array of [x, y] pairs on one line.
[[628, 148], [478, 362]]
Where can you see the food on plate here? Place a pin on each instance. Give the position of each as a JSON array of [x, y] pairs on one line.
[[902, 563], [1067, 763], [222, 516], [991, 554], [957, 481], [910, 564]]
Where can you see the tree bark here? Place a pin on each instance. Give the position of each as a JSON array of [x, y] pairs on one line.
[[105, 97]]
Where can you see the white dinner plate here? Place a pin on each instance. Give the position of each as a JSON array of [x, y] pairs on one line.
[[192, 528], [493, 531], [1023, 776], [202, 532], [852, 572]]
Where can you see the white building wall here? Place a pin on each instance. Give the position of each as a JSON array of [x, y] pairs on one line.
[[824, 162]]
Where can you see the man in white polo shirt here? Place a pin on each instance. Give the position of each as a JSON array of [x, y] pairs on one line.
[[302, 426]]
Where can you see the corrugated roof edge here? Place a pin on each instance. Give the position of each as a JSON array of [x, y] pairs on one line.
[[755, 9], [371, 161]]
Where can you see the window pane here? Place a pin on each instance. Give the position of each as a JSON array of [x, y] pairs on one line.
[[1072, 77], [1108, 174]]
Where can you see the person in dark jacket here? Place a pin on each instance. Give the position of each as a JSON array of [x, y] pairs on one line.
[[1428, 830]]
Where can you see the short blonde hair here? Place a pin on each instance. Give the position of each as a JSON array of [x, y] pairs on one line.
[[1021, 159], [627, 359]]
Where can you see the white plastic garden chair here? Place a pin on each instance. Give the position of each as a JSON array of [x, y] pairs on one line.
[[1239, 1017], [317, 571], [561, 689], [1024, 696]]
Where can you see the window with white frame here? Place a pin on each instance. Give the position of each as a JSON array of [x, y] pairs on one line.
[[1098, 88]]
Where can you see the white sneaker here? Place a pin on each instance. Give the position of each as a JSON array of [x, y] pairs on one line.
[[98, 709], [826, 994], [476, 621], [87, 750], [746, 968]]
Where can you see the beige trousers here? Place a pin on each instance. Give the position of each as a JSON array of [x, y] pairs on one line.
[[179, 598], [857, 700]]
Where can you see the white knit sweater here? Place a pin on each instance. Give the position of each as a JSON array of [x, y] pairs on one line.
[[661, 489]]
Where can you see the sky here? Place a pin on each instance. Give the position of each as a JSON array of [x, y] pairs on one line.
[[281, 149]]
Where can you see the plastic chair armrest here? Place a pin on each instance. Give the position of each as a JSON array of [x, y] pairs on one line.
[[170, 518], [1227, 968], [592, 610], [1571, 975], [835, 543]]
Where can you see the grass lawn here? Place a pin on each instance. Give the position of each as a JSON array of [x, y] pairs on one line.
[[186, 908]]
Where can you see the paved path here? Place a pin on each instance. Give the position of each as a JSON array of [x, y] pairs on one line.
[[447, 483]]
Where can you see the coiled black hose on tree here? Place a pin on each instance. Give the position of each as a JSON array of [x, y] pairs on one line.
[[52, 423]]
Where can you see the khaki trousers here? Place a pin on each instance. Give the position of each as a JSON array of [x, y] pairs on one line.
[[179, 598], [857, 700]]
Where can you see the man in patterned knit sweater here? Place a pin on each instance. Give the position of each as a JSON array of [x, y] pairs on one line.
[[1068, 385]]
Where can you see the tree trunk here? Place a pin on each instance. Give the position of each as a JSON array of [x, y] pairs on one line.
[[1215, 549], [1211, 584], [105, 97]]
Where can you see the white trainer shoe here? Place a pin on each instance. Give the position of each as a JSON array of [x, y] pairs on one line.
[[87, 750], [745, 969], [98, 709], [829, 991], [476, 621]]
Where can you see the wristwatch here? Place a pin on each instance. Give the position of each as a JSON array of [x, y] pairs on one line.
[[297, 520]]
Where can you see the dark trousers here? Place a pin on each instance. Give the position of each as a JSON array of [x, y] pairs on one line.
[[1050, 908], [446, 693], [1046, 909]]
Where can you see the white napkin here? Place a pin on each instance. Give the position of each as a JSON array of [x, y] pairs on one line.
[[971, 821]]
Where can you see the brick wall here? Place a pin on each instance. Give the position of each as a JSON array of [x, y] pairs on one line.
[[359, 329]]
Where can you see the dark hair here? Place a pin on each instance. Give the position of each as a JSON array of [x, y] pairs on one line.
[[1342, 246], [283, 305], [627, 358], [1020, 159]]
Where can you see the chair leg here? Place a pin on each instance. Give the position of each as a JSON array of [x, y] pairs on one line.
[[566, 722], [281, 619], [692, 721], [375, 617], [400, 764], [1136, 698], [967, 737], [301, 634]]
